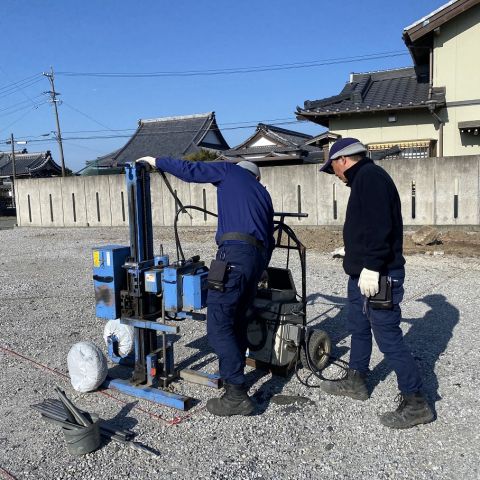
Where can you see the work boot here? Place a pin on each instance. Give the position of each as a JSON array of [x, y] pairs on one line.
[[352, 385], [412, 410], [235, 401]]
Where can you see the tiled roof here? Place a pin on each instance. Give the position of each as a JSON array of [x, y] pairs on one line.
[[28, 164], [323, 138], [282, 136], [168, 136], [374, 91], [287, 143]]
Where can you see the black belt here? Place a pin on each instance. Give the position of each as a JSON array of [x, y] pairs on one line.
[[243, 237]]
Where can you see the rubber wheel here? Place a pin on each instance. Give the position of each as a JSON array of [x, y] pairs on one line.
[[319, 349]]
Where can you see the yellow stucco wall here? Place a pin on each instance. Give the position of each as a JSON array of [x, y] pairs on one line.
[[456, 66], [375, 128]]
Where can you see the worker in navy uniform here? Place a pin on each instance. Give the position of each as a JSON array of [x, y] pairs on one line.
[[245, 241], [373, 240]]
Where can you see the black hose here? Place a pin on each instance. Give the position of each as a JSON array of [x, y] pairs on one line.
[[175, 227], [314, 371]]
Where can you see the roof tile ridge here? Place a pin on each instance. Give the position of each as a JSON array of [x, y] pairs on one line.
[[196, 136], [279, 138], [178, 117], [117, 153], [45, 161], [286, 131]]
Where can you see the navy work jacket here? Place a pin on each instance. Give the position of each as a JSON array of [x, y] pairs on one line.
[[244, 204]]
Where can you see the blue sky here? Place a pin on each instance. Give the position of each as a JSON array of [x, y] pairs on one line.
[[177, 36]]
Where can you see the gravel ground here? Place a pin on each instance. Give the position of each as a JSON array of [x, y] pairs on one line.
[[46, 305]]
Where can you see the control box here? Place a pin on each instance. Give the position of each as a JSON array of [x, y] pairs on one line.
[[109, 278]]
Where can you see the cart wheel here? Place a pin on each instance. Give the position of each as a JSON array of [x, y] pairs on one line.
[[319, 348]]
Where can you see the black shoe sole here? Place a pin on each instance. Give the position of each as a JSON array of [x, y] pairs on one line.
[[410, 425]]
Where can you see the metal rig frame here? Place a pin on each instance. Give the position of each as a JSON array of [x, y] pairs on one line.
[[153, 364]]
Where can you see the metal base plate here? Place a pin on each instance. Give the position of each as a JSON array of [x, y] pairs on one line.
[[195, 376], [156, 395]]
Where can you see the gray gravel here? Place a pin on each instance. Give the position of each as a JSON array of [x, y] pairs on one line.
[[46, 305]]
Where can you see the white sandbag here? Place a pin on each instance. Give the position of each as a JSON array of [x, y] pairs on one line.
[[87, 366], [123, 333]]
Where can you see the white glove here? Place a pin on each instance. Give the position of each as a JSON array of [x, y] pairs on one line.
[[368, 282], [148, 160], [338, 252]]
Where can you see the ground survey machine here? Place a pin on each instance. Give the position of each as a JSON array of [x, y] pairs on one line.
[[149, 293]]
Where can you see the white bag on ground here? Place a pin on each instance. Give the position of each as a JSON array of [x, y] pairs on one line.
[[123, 333], [87, 366]]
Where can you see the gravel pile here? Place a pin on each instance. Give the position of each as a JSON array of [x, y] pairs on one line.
[[47, 304]]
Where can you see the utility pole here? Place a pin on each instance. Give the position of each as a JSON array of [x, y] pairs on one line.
[[54, 94], [14, 171]]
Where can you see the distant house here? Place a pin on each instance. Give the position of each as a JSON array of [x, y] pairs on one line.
[[168, 136], [271, 146], [27, 165], [430, 109]]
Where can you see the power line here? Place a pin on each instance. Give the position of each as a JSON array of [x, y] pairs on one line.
[[87, 116], [18, 85], [18, 104], [18, 88], [159, 129], [19, 81], [13, 84], [22, 116], [150, 134], [230, 71], [22, 108]]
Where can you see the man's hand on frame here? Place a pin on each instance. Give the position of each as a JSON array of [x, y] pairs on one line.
[[368, 282], [150, 161]]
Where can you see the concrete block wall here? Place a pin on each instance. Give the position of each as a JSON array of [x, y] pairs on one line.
[[433, 191], [73, 202]]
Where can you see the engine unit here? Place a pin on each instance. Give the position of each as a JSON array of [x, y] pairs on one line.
[[276, 322]]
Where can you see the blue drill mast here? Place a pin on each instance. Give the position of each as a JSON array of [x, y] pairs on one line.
[[144, 290]]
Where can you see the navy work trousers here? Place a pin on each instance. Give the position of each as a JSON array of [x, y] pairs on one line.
[[226, 319], [385, 324]]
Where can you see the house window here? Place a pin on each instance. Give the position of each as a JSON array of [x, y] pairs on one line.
[[404, 149]]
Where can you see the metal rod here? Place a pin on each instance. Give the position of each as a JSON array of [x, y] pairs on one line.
[[62, 410], [115, 437], [58, 414], [81, 419], [164, 348]]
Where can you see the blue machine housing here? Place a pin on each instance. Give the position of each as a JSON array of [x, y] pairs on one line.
[[185, 286], [195, 290], [153, 281], [109, 279], [153, 277]]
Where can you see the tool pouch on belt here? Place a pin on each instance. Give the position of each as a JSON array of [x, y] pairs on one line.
[[216, 275], [383, 299]]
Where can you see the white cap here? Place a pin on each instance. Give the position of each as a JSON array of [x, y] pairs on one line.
[[250, 166]]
